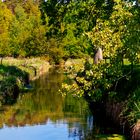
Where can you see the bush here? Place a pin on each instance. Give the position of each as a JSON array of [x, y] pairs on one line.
[[8, 90]]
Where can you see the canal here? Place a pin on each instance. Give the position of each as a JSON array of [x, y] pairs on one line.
[[44, 114]]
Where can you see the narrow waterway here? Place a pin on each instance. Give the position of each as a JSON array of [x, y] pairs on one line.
[[44, 114]]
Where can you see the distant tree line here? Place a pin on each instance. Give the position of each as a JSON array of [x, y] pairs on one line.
[[69, 28]]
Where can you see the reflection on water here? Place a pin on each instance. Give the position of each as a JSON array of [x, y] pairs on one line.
[[44, 114]]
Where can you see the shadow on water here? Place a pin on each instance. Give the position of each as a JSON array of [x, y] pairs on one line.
[[44, 114]]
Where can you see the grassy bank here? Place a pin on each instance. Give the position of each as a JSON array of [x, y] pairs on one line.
[[15, 76]]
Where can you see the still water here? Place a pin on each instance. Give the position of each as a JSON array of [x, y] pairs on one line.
[[44, 114]]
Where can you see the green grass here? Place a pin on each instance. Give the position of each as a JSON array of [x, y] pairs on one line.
[[110, 137], [27, 65]]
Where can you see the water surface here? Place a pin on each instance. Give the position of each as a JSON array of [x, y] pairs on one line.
[[44, 114]]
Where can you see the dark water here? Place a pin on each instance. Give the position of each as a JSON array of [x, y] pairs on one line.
[[44, 114]]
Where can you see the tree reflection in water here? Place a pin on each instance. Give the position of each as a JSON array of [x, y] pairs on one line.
[[44, 107], [46, 103]]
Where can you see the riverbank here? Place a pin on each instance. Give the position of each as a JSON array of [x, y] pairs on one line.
[[123, 108], [16, 74], [119, 104]]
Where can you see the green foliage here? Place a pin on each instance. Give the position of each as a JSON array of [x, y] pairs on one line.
[[5, 20], [77, 20], [96, 80], [22, 32], [74, 30], [132, 109], [77, 27], [8, 90], [68, 22], [111, 34]]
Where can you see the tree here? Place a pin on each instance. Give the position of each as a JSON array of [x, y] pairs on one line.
[[5, 21], [27, 31], [115, 36]]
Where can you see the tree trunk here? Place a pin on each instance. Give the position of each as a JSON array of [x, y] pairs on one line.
[[1, 60]]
